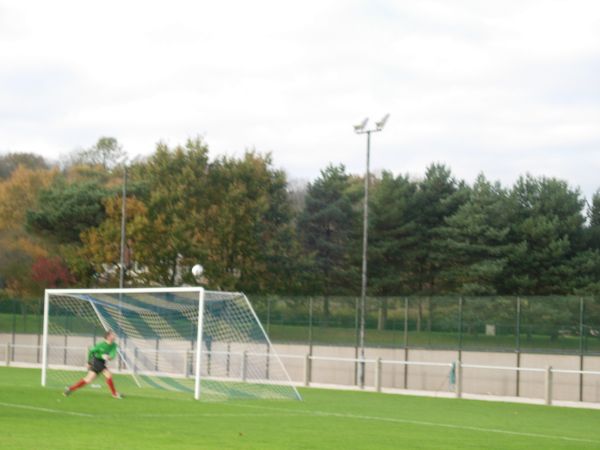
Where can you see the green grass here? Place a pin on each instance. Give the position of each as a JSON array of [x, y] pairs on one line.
[[424, 339], [22, 324], [33, 418]]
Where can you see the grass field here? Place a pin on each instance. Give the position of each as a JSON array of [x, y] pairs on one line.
[[424, 339], [33, 418]]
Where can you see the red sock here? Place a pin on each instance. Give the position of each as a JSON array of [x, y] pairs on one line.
[[77, 385], [111, 386]]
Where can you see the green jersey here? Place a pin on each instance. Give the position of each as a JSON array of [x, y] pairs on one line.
[[101, 349]]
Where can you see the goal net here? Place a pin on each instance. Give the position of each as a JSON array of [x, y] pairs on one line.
[[207, 344]]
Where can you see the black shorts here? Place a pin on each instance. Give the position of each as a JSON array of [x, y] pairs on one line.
[[97, 365]]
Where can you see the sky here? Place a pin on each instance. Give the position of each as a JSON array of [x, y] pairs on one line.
[[503, 87]]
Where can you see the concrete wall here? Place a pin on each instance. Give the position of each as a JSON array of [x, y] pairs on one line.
[[492, 382], [591, 383], [566, 387], [394, 376], [475, 381]]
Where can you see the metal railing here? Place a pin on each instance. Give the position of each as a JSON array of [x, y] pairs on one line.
[[455, 369]]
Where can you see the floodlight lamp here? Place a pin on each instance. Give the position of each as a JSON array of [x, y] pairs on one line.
[[382, 122], [361, 126]]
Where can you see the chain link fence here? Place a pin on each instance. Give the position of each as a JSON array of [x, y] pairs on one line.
[[567, 325]]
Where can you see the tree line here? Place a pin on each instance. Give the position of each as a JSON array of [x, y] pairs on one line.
[[255, 231]]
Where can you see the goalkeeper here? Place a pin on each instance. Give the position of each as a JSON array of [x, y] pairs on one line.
[[98, 356]]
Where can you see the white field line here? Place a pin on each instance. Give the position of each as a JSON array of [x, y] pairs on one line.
[[322, 414], [159, 415], [429, 424], [48, 410]]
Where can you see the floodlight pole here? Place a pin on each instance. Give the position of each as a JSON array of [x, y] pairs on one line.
[[360, 129], [123, 222], [363, 289]]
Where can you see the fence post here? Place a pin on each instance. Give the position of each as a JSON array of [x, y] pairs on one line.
[[66, 341], [307, 369], [244, 364], [459, 379], [405, 342], [40, 314], [548, 386], [581, 345], [156, 354], [268, 368], [14, 328], [7, 354], [356, 341], [310, 325], [268, 314], [228, 363], [378, 367], [134, 362], [460, 327], [208, 357], [518, 348], [185, 363]]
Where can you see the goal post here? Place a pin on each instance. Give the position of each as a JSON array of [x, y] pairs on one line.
[[45, 340], [206, 344], [199, 347]]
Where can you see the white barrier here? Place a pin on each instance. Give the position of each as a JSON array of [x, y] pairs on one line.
[[455, 369]]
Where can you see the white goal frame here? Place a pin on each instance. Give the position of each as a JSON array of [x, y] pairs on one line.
[[198, 350]]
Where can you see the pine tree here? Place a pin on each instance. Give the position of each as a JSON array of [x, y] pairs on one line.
[[438, 197], [325, 230], [392, 235], [546, 231], [475, 241]]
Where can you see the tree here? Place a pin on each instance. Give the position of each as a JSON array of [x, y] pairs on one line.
[[475, 240], [64, 210], [19, 192], [438, 196], [584, 276], [18, 250], [592, 231], [585, 265], [248, 231], [325, 229], [546, 231], [174, 185], [50, 273], [11, 161], [102, 244], [392, 235], [232, 215], [107, 153], [594, 211]]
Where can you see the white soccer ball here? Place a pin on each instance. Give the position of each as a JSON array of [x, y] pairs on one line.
[[197, 270]]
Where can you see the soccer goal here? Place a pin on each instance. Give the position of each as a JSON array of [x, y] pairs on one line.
[[208, 344]]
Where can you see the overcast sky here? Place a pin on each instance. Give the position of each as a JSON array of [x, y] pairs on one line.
[[501, 87]]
